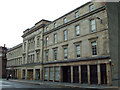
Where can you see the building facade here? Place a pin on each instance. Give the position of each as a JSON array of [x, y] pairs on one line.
[[73, 48], [3, 62]]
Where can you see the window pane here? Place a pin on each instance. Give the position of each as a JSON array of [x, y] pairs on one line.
[[57, 73], [76, 15], [65, 53], [55, 38], [78, 50], [92, 25], [91, 7], [65, 35], [77, 30], [94, 48], [46, 73], [51, 73]]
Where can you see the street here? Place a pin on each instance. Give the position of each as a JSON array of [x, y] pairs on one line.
[[13, 85]]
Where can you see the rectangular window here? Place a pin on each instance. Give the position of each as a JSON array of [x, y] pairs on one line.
[[65, 20], [55, 25], [24, 46], [55, 38], [65, 35], [47, 29], [77, 28], [46, 55], [55, 54], [91, 7], [94, 48], [46, 41], [56, 73], [46, 73], [51, 73], [76, 15], [38, 41], [65, 53], [78, 51], [38, 55], [92, 23]]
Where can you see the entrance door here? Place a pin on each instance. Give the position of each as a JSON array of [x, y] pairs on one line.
[[19, 74], [76, 74], [30, 74], [66, 74], [103, 74], [84, 75], [93, 74], [37, 74]]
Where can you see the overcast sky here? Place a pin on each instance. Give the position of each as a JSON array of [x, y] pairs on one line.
[[18, 15]]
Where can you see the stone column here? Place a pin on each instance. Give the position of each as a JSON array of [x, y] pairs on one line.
[[26, 74], [88, 70], [71, 74], [80, 74], [99, 74], [53, 74], [48, 74], [34, 74], [108, 74]]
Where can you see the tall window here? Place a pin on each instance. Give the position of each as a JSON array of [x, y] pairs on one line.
[[51, 73], [65, 35], [91, 7], [65, 20], [24, 46], [46, 73], [47, 29], [56, 73], [55, 38], [55, 25], [65, 53], [77, 28], [38, 40], [78, 51], [76, 15], [92, 23], [46, 41], [94, 48], [55, 54], [38, 55], [46, 55]]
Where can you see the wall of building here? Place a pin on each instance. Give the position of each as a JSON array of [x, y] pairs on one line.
[[113, 16]]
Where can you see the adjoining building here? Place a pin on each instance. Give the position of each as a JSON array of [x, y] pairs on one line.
[[3, 61], [73, 48]]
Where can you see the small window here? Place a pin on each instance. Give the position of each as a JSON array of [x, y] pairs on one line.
[[92, 24], [77, 29], [65, 35], [94, 48], [47, 29], [55, 38], [46, 41], [65, 20], [65, 53], [46, 55], [55, 25], [91, 7], [78, 51], [76, 15], [55, 54]]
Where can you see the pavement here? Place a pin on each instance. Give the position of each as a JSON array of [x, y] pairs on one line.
[[70, 85]]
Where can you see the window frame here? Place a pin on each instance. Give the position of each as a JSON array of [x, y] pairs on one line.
[[91, 26], [46, 55], [76, 14], [95, 49], [91, 7], [55, 38], [77, 30], [65, 35], [54, 54]]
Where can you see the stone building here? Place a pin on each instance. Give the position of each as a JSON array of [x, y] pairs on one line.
[[73, 48], [3, 61]]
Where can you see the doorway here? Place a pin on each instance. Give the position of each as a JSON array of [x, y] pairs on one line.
[[30, 74], [103, 74], [66, 73], [37, 75], [84, 74], [75, 74], [93, 74]]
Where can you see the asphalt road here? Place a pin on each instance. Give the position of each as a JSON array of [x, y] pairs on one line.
[[13, 85]]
